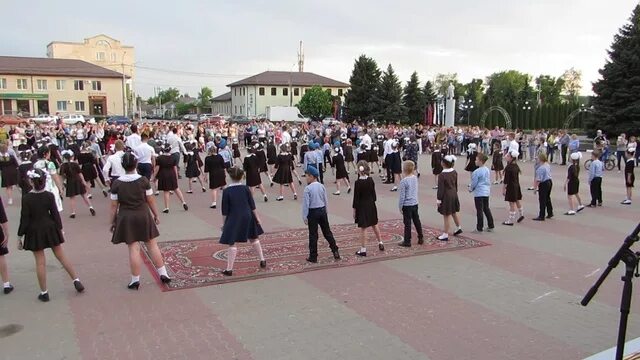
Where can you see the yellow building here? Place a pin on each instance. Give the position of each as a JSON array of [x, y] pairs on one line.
[[252, 96], [33, 86]]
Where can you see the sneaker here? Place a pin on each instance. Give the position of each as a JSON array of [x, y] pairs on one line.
[[570, 212], [580, 208], [336, 193], [156, 193], [443, 237], [213, 206], [185, 206], [458, 232], [626, 202], [508, 223], [531, 188], [395, 188], [8, 289], [361, 253], [279, 198], [521, 218], [43, 297], [89, 196]]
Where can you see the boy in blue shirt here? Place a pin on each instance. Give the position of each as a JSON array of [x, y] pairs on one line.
[[481, 188], [314, 214], [596, 170]]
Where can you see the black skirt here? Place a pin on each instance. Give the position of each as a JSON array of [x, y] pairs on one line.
[[573, 187], [74, 187]]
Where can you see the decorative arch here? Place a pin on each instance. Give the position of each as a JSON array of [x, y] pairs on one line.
[[501, 110], [574, 113]]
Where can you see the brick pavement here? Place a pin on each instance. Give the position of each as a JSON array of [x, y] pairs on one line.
[[515, 299]]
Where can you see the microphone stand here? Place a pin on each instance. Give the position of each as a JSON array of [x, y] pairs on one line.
[[630, 259]]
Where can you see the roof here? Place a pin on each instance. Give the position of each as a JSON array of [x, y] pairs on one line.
[[86, 40], [223, 97], [284, 78], [14, 65]]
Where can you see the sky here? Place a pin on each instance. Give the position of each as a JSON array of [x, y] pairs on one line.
[[224, 41]]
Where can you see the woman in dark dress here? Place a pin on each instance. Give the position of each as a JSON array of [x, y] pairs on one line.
[[472, 154], [284, 166], [365, 212], [214, 166], [496, 164], [629, 176], [348, 155], [272, 158], [134, 219], [338, 162], [235, 147], [572, 184], [4, 250], [23, 169], [262, 161], [193, 165], [41, 228], [75, 184], [511, 188], [448, 202], [9, 169], [167, 175], [436, 164], [89, 165], [251, 167], [240, 220]]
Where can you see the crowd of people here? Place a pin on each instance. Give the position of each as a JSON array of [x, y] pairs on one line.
[[132, 164]]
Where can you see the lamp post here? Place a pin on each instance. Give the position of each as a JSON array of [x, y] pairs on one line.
[[467, 105], [526, 107]]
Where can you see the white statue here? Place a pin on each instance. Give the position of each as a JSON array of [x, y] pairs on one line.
[[450, 90]]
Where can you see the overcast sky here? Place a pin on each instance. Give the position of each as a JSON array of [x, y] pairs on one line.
[[244, 37]]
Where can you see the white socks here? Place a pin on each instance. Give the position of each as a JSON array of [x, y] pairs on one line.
[[258, 248], [231, 257], [521, 211], [134, 279], [44, 292], [7, 285], [162, 271]]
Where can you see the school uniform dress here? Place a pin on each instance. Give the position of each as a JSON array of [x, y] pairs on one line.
[[194, 163], [573, 183], [88, 164], [262, 160], [134, 221], [448, 192], [436, 162], [512, 182], [214, 166], [271, 154], [348, 153], [395, 162], [40, 222], [74, 186], [251, 166], [9, 169], [50, 169], [3, 219], [628, 172], [303, 150], [236, 150], [341, 169], [23, 179], [294, 148], [471, 162], [167, 179], [284, 165], [240, 224], [364, 202], [497, 164]]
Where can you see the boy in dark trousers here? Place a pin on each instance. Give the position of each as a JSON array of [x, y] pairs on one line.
[[314, 214], [596, 170]]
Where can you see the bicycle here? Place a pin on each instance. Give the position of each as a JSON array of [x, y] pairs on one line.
[[609, 163]]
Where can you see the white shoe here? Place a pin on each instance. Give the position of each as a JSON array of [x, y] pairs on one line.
[[443, 237], [580, 208], [570, 212], [395, 188], [626, 202], [280, 198], [336, 193], [10, 202]]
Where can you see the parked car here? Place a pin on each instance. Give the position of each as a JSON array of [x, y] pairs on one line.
[[213, 120], [240, 119], [12, 120], [73, 119], [44, 119], [118, 120]]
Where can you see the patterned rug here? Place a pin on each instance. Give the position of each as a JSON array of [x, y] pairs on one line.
[[195, 263]]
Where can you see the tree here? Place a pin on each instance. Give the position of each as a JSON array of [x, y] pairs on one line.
[[474, 91], [508, 88], [429, 93], [165, 96], [315, 103], [390, 98], [204, 97], [617, 100], [572, 84], [361, 100], [550, 89], [442, 82], [414, 100]]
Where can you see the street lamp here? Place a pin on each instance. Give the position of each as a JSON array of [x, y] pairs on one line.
[[467, 105], [526, 107]]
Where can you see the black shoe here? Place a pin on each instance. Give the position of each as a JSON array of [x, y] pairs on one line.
[[404, 244], [8, 290], [312, 260], [134, 285], [600, 204], [212, 207], [300, 182], [336, 255], [538, 219], [104, 192], [92, 211], [263, 264], [185, 207], [361, 253], [458, 232], [420, 240], [43, 297], [204, 190], [507, 223], [381, 246], [591, 205], [189, 191], [271, 185], [165, 279], [78, 285], [72, 216], [349, 190], [295, 196], [266, 199], [227, 272], [166, 211], [521, 218], [549, 216]]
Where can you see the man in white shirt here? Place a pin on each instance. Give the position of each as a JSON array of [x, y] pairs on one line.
[[177, 147], [113, 167], [146, 157], [134, 139], [285, 137]]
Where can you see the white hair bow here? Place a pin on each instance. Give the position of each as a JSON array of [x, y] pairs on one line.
[[32, 174], [67, 152], [450, 158]]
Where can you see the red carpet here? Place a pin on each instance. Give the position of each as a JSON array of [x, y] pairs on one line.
[[194, 263]]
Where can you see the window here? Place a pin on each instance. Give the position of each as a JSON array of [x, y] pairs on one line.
[[328, 91], [3, 83], [96, 85], [42, 84], [261, 91], [235, 91], [235, 111], [296, 92], [78, 85], [60, 84], [79, 105], [62, 105], [274, 92], [113, 58], [244, 92], [22, 84], [285, 92], [339, 92], [100, 56]]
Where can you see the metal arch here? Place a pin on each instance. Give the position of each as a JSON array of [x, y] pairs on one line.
[[502, 111], [573, 115]]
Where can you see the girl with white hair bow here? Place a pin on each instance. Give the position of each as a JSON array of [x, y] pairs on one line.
[[572, 184], [511, 189]]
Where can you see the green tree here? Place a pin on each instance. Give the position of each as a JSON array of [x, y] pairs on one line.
[[572, 84], [361, 100], [550, 89], [390, 98], [315, 103], [183, 108], [165, 96], [429, 93], [617, 100], [509, 87], [414, 100], [204, 97], [474, 91]]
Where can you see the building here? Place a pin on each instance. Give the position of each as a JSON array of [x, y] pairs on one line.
[[252, 96], [221, 104], [33, 86]]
